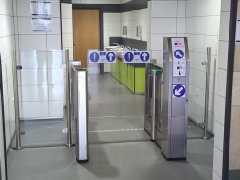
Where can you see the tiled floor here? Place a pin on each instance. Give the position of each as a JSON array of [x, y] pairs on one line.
[[115, 161], [119, 147]]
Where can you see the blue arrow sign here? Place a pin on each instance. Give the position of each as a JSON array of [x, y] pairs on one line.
[[110, 56], [128, 56], [179, 54], [179, 90], [144, 56], [94, 57]]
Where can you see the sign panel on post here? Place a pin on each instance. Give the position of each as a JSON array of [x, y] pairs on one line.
[[40, 8], [179, 54], [41, 24], [101, 56], [41, 15], [179, 90], [136, 57], [179, 60]]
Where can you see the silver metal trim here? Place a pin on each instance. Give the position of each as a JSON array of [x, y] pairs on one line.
[[149, 86], [152, 119], [173, 137], [89, 90], [68, 96], [154, 105], [16, 102], [81, 107], [208, 68]]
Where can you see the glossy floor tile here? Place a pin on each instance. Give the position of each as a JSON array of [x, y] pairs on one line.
[[116, 115], [114, 107], [119, 148], [42, 133], [114, 161], [110, 98]]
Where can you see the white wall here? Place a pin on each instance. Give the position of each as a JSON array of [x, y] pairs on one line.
[[6, 48], [16, 34], [114, 22], [41, 79], [67, 35], [166, 18], [41, 41], [202, 30], [199, 20], [67, 28], [221, 89], [132, 19], [111, 28]]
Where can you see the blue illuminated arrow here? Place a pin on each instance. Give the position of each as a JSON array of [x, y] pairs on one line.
[[111, 56], [179, 54], [144, 56], [178, 92]]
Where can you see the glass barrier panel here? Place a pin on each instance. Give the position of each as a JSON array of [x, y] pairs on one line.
[[41, 97]]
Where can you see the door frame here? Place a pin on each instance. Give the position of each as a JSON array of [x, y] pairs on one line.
[[100, 8], [229, 86], [3, 125]]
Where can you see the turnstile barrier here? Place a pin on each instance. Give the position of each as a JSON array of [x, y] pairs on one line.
[[166, 110], [152, 119], [80, 112], [173, 141]]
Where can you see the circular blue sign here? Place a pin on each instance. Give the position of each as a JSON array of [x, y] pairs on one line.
[[144, 56], [179, 90], [128, 56], [111, 56], [179, 54], [94, 57]]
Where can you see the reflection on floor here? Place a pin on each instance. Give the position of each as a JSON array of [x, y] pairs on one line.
[[116, 115], [114, 161], [110, 98], [42, 133], [119, 147]]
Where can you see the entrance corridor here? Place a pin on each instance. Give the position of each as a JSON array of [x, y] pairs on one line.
[[119, 147]]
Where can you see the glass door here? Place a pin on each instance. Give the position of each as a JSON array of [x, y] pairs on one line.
[[41, 98]]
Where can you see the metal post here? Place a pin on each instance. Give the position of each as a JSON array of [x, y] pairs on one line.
[[146, 90], [68, 113], [16, 102], [208, 66], [175, 94], [72, 95], [154, 110], [81, 107]]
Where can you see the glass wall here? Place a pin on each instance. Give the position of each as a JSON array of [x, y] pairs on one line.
[[41, 97]]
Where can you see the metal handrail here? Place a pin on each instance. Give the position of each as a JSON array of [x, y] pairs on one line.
[[208, 68], [16, 103], [68, 96]]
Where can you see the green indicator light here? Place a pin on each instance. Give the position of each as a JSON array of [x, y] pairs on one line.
[[157, 70]]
